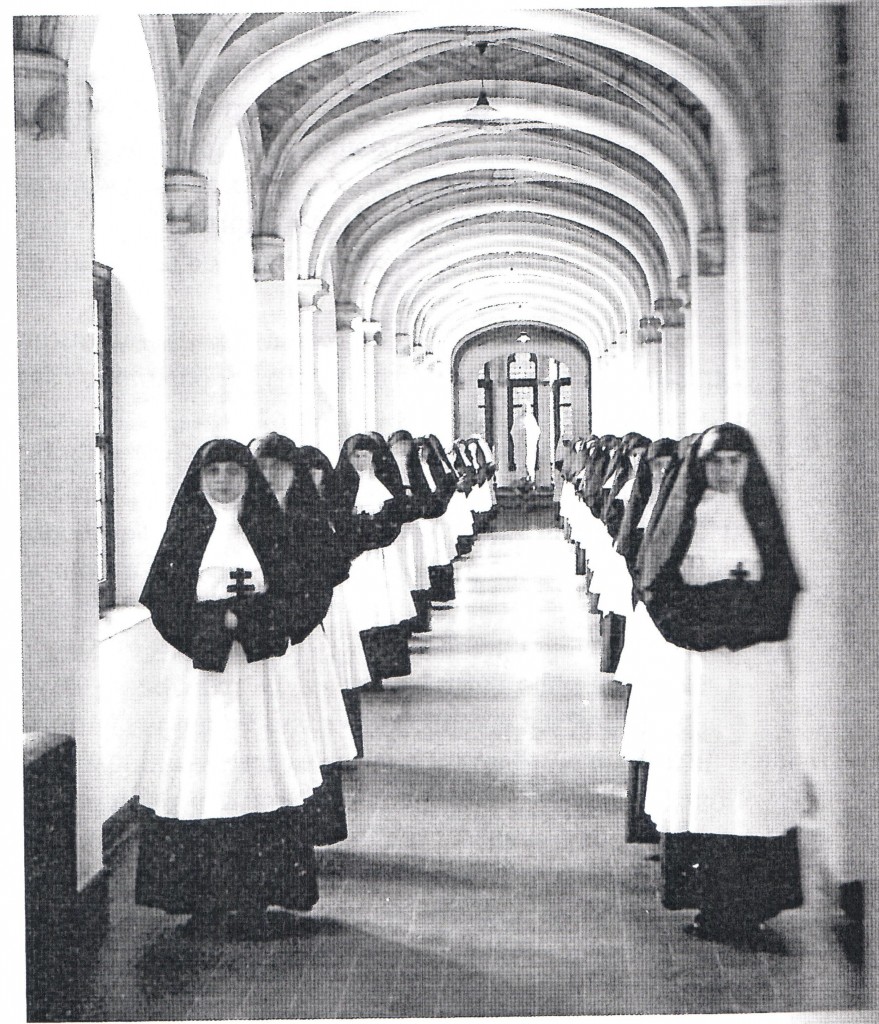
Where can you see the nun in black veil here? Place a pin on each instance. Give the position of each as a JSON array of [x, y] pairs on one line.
[[725, 788], [314, 568], [405, 453], [456, 523], [364, 482], [232, 760], [310, 497]]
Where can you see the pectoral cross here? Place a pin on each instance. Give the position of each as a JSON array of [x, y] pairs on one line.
[[740, 573], [239, 588]]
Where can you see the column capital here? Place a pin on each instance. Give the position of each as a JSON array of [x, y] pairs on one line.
[[684, 290], [349, 317], [308, 290], [669, 308], [710, 252], [268, 257], [41, 81], [650, 330], [190, 203], [403, 344], [764, 201], [372, 332], [418, 352]]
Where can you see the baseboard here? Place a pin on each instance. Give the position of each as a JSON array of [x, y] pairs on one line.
[[118, 831]]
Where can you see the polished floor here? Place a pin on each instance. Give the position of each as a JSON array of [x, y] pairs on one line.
[[486, 872]]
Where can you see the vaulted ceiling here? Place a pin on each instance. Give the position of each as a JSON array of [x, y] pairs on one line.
[[613, 142]]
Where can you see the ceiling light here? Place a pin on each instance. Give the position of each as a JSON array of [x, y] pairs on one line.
[[482, 108]]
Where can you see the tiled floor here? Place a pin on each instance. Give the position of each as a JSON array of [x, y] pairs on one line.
[[486, 872]]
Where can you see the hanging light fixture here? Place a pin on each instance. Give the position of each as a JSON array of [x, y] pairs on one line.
[[482, 109]]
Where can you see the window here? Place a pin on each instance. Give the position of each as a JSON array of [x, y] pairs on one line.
[[102, 337], [521, 393], [561, 400], [485, 403]]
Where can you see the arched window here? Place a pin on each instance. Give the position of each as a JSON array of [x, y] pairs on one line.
[[485, 404]]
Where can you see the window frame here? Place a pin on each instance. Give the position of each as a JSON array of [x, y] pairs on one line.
[[102, 290]]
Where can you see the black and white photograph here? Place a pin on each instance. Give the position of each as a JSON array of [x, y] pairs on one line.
[[441, 558]]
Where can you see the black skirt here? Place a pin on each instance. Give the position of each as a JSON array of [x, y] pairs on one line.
[[247, 862], [738, 878]]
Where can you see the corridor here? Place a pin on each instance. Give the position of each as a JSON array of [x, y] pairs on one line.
[[486, 872]]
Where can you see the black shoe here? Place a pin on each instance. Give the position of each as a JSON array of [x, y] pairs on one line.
[[752, 936], [257, 925], [205, 924]]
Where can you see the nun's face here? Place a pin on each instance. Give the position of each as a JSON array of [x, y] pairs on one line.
[[361, 459], [317, 476], [278, 473], [725, 471], [224, 481]]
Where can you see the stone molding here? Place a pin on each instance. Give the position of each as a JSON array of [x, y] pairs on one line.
[[670, 310], [35, 32], [41, 92], [711, 252], [764, 201], [372, 332], [650, 330], [189, 203], [349, 317], [309, 290], [268, 258]]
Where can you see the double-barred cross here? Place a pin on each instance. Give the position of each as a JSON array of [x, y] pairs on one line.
[[239, 588]]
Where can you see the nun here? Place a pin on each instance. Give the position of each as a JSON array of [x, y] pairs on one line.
[[647, 658], [315, 567], [457, 519], [232, 761], [405, 452], [309, 500], [373, 517], [441, 531], [726, 789]]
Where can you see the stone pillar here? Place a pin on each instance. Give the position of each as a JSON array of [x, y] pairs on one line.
[[326, 378], [371, 335], [55, 250], [55, 372], [277, 338], [753, 350], [819, 501], [706, 354], [349, 337], [196, 342], [311, 292], [388, 412], [646, 401], [670, 310], [863, 358]]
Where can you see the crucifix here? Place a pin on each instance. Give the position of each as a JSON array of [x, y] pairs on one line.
[[740, 573], [239, 588]]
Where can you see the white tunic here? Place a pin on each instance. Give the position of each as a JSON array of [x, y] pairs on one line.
[[224, 744], [725, 760]]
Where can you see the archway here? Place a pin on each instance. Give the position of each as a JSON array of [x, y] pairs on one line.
[[497, 369]]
